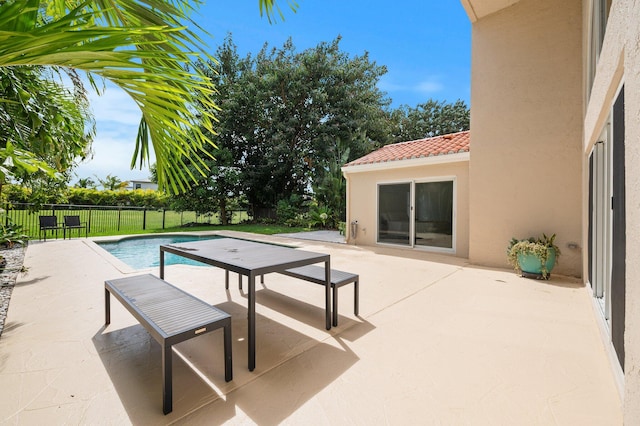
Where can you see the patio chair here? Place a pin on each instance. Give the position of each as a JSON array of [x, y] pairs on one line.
[[73, 222], [48, 223]]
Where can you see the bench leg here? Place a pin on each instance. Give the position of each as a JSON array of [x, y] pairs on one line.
[[228, 362], [167, 386], [335, 306]]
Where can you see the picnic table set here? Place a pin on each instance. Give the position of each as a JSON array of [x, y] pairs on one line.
[[172, 315]]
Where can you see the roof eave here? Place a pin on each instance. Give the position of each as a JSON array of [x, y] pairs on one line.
[[410, 162]]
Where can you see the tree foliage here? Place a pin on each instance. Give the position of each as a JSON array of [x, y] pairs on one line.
[[112, 183], [45, 120], [283, 111], [428, 119], [143, 46]]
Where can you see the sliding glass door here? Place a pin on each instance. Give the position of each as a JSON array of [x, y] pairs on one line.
[[394, 212], [434, 214], [417, 214]]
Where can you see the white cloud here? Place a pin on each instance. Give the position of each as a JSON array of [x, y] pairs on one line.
[[117, 119], [115, 106], [430, 85]]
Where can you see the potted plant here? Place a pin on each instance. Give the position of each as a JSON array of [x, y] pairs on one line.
[[533, 257]]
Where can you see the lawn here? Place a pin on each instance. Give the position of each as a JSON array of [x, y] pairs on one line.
[[103, 222]]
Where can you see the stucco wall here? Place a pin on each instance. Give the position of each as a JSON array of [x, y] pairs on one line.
[[620, 63], [526, 124], [362, 198]]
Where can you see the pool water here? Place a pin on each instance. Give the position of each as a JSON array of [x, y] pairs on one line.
[[144, 252]]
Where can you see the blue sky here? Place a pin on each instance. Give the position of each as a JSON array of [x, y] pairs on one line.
[[425, 45]]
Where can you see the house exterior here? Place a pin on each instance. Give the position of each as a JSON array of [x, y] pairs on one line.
[[555, 118], [142, 184], [555, 124], [421, 190]]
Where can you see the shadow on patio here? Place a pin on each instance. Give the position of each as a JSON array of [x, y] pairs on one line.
[[436, 343]]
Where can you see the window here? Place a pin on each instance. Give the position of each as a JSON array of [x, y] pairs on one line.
[[607, 224], [598, 25], [417, 214]]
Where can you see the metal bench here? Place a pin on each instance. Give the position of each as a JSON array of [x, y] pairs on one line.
[[315, 274], [171, 316]]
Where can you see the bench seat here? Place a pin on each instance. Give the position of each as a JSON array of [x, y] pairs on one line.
[[315, 274], [171, 316]]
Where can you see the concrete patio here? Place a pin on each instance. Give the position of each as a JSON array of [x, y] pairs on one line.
[[437, 342]]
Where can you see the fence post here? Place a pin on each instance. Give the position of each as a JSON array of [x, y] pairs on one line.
[[144, 218], [164, 213], [119, 213], [89, 221]]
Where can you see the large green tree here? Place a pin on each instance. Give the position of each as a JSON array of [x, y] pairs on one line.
[[283, 112]]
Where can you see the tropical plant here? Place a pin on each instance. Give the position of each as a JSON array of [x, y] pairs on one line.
[[320, 215], [112, 183], [538, 247], [11, 234], [42, 116], [85, 183], [143, 46]]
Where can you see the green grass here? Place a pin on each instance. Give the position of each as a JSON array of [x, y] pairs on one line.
[[255, 228], [127, 221]]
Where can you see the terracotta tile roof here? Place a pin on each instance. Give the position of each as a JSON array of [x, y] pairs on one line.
[[452, 143]]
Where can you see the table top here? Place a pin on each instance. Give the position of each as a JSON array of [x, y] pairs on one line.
[[245, 257]]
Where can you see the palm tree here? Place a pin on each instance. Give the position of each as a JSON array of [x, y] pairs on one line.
[[85, 183], [143, 46], [112, 183]]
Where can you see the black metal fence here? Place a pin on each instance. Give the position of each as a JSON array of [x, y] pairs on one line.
[[108, 220]]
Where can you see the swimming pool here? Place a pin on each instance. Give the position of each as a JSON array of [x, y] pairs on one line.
[[144, 251]]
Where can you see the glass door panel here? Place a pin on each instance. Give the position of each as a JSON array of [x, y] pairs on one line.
[[394, 208], [434, 214]]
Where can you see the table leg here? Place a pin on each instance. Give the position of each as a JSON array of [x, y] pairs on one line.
[[161, 264], [327, 293], [252, 321], [107, 307]]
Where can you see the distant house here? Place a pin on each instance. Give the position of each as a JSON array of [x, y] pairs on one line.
[[412, 194], [142, 184]]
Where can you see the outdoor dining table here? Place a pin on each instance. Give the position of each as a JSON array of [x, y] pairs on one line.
[[251, 259]]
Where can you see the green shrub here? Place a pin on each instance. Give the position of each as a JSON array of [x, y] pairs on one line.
[[288, 211], [320, 216], [11, 234]]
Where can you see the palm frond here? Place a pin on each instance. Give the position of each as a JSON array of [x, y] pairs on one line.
[[143, 46]]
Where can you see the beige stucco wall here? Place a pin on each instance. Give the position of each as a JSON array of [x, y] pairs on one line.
[[526, 130], [620, 63], [362, 198]]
